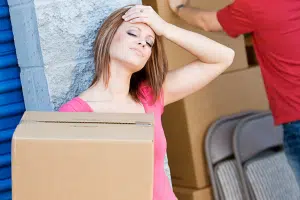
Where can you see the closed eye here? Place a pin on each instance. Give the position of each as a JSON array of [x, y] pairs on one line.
[[131, 34], [150, 45]]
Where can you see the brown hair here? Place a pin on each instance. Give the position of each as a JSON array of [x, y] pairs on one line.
[[153, 73]]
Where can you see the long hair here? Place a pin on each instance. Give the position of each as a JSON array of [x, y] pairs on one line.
[[154, 71]]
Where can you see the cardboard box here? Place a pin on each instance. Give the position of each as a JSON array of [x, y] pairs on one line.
[[80, 156], [192, 194], [186, 121], [178, 56]]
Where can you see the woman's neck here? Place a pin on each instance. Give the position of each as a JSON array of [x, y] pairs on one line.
[[118, 85]]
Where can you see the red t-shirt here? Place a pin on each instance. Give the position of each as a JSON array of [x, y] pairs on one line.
[[275, 26]]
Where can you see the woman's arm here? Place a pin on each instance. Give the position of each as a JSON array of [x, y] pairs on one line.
[[204, 19], [213, 57]]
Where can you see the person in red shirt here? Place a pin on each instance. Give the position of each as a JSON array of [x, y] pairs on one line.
[[275, 28]]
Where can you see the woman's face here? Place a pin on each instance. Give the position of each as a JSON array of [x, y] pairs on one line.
[[132, 45]]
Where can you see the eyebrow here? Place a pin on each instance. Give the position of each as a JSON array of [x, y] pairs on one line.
[[140, 30]]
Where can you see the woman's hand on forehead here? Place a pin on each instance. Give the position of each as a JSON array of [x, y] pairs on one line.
[[146, 15]]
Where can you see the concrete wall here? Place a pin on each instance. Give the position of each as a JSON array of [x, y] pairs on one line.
[[53, 41]]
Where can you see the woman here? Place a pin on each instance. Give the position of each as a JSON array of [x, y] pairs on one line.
[[132, 75]]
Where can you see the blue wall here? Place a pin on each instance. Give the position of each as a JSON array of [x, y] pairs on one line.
[[11, 98]]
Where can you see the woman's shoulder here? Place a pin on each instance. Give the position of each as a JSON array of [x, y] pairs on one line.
[[148, 94], [145, 89], [75, 105]]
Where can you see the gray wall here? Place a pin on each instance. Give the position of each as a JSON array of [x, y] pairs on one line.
[[53, 41]]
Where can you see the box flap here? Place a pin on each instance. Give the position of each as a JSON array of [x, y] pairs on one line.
[[86, 126], [89, 117]]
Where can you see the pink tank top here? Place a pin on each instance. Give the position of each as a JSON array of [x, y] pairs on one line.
[[161, 186]]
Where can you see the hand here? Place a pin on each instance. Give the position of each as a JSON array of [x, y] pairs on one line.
[[146, 14], [174, 3]]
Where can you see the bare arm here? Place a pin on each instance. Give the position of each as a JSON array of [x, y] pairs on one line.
[[206, 20], [213, 59]]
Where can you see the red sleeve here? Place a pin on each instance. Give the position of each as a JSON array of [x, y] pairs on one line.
[[236, 18]]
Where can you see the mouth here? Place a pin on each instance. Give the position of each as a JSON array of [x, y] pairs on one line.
[[138, 52]]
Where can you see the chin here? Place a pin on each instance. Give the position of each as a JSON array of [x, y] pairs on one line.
[[135, 68], [134, 65]]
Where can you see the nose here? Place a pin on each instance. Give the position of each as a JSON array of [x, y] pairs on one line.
[[142, 43]]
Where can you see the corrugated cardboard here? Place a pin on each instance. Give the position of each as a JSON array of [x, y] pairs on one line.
[[186, 121], [191, 194], [80, 156], [177, 56]]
